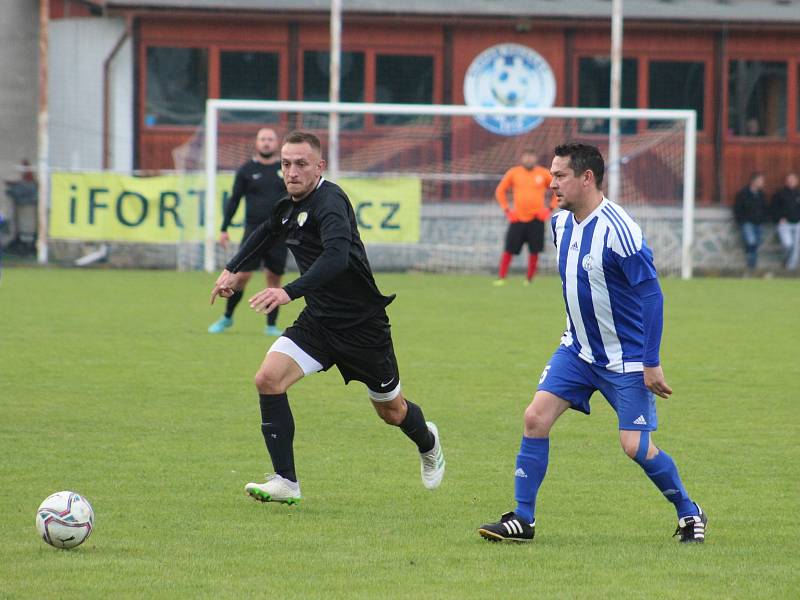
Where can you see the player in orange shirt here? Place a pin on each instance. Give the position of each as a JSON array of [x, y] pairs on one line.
[[529, 184]]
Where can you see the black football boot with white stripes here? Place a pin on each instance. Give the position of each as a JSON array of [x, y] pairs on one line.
[[510, 528], [692, 529]]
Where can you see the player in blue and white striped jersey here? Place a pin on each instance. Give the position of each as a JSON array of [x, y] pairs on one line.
[[611, 344]]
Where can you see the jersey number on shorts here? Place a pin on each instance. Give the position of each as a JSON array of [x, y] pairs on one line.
[[544, 374]]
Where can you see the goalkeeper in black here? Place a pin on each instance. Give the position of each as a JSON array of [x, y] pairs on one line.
[[260, 182], [344, 322]]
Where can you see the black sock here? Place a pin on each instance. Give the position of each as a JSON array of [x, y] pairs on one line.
[[272, 316], [416, 429], [233, 300], [277, 426]]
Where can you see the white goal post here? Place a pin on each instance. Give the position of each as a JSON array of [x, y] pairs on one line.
[[687, 117]]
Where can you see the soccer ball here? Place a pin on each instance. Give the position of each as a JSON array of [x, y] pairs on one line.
[[510, 82], [65, 519]]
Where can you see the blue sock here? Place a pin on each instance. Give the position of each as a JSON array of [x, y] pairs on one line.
[[531, 467], [662, 471]]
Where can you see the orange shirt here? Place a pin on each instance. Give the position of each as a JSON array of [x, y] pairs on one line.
[[528, 189]]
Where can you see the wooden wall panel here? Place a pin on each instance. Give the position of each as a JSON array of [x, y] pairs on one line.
[[374, 34]]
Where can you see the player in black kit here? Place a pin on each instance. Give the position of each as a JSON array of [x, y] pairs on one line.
[[344, 322], [260, 181]]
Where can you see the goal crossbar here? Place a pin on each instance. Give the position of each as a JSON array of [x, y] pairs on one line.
[[214, 106]]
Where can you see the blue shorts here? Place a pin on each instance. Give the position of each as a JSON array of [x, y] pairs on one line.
[[575, 380]]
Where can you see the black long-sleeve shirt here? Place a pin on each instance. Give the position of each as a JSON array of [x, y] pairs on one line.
[[786, 204], [261, 185], [749, 206], [321, 233]]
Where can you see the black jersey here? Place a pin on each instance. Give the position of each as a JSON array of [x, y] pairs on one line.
[[321, 233], [261, 185]]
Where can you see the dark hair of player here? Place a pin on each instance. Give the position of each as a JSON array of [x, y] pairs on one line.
[[302, 137], [583, 157]]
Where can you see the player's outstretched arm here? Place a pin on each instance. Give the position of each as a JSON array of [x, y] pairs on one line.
[[655, 382], [268, 299]]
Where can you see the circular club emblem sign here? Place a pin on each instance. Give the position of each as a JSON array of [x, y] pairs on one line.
[[512, 76]]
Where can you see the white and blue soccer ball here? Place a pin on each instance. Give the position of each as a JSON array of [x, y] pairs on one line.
[[510, 81], [65, 519]]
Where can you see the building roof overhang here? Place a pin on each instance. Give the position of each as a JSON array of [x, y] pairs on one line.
[[734, 11]]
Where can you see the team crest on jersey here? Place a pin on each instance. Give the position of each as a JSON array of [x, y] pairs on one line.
[[279, 173], [586, 263], [301, 218]]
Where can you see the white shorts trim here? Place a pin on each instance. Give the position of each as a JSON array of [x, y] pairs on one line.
[[383, 396], [308, 363]]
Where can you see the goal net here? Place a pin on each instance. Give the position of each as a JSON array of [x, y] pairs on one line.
[[422, 177]]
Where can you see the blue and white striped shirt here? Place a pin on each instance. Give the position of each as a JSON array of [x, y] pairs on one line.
[[601, 260]]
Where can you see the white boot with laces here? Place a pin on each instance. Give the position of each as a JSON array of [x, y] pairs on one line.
[[275, 489], [432, 467]]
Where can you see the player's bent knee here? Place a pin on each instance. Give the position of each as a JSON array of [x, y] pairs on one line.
[[630, 449], [536, 425], [268, 381], [637, 445], [391, 411], [390, 416]]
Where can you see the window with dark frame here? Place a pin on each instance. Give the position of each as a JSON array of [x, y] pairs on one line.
[[676, 85], [176, 86], [403, 79], [316, 82], [757, 98], [594, 91], [249, 75]]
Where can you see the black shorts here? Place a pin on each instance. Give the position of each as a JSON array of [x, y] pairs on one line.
[[273, 258], [519, 233], [362, 353]]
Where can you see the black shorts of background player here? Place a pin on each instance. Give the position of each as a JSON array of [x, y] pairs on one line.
[[260, 182], [344, 322], [521, 233]]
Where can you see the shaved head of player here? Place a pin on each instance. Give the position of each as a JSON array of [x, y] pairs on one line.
[[266, 143], [302, 167]]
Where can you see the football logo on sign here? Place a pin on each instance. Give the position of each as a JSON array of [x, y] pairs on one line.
[[509, 76]]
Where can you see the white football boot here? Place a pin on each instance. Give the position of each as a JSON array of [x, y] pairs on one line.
[[432, 467], [275, 489]]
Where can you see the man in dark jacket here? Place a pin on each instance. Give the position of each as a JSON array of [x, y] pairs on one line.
[[786, 210], [750, 211]]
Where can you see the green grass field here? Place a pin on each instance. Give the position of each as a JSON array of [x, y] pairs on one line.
[[110, 385]]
